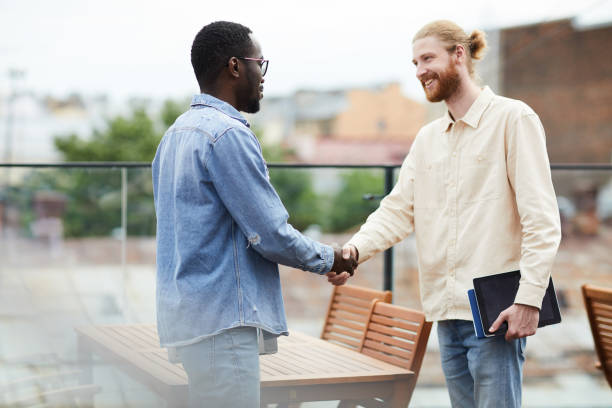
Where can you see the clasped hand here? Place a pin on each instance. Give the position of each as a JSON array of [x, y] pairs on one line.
[[345, 263]]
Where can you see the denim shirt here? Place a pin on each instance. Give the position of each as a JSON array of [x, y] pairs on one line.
[[221, 229]]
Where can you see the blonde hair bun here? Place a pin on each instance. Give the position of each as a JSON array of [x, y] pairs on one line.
[[478, 44]]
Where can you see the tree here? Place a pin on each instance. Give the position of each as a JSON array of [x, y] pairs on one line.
[[348, 208], [131, 138], [93, 206], [294, 187]]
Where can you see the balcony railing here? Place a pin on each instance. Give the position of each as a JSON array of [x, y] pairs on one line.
[[388, 179], [77, 247]]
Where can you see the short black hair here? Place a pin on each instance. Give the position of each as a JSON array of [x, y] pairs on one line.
[[214, 45]]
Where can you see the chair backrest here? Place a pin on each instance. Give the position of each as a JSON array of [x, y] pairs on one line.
[[347, 314], [598, 303], [396, 335]]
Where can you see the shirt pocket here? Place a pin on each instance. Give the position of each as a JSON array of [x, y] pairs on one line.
[[429, 185], [479, 178]]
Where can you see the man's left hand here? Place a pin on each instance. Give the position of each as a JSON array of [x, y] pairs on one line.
[[522, 321], [337, 279]]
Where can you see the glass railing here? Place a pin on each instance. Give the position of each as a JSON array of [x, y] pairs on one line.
[[77, 248]]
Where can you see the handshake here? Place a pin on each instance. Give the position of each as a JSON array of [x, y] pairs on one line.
[[345, 260]]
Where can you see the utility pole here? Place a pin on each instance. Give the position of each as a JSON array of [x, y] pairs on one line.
[[14, 75]]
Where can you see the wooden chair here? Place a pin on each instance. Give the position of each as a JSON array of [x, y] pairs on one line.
[[598, 303], [398, 336], [347, 314]]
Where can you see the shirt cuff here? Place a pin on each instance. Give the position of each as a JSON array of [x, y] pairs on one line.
[[530, 295], [364, 246], [327, 253]]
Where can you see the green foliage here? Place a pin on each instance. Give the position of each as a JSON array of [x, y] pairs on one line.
[[93, 196], [171, 110], [294, 187], [348, 208], [132, 138], [338, 212], [88, 194]]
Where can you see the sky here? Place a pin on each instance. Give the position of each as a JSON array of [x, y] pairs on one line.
[[134, 48]]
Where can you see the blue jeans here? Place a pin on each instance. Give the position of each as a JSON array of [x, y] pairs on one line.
[[223, 370], [480, 372]]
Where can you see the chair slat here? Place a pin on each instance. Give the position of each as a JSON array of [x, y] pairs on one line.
[[387, 321], [345, 323], [598, 304], [398, 336], [387, 309], [384, 357], [361, 303], [603, 313], [349, 333], [349, 316], [363, 293], [344, 340], [408, 335], [348, 312], [398, 342], [359, 311], [393, 351], [598, 294]]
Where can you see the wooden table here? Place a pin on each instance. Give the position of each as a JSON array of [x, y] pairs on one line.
[[304, 369]]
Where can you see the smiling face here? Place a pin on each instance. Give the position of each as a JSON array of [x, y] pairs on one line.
[[436, 68]]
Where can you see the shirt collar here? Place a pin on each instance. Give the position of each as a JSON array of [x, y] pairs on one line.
[[473, 115], [222, 106]]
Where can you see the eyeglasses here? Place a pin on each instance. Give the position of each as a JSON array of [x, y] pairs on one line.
[[263, 63]]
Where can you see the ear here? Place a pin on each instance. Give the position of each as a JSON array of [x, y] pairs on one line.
[[232, 66], [460, 53]]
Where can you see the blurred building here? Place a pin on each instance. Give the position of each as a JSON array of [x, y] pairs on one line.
[[563, 70], [29, 127], [373, 125]]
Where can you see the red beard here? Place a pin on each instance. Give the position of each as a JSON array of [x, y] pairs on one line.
[[446, 84]]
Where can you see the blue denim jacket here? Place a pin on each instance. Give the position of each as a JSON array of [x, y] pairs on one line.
[[221, 229]]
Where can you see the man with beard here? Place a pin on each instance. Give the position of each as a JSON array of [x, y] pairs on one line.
[[476, 190], [222, 229]]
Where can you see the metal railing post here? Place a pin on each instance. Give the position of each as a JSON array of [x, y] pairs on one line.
[[388, 257], [124, 272]]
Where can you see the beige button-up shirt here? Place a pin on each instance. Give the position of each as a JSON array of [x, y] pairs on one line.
[[478, 194]]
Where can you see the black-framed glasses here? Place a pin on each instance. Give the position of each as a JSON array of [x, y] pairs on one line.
[[263, 63]]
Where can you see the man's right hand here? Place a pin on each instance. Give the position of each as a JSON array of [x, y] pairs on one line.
[[343, 263], [350, 252]]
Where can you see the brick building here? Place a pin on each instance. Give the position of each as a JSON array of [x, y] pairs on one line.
[[564, 72]]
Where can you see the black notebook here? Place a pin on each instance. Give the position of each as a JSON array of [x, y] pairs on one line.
[[494, 293]]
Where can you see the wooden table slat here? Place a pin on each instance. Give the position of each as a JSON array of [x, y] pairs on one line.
[[146, 336], [304, 366]]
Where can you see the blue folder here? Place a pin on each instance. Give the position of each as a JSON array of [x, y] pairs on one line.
[[476, 315]]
